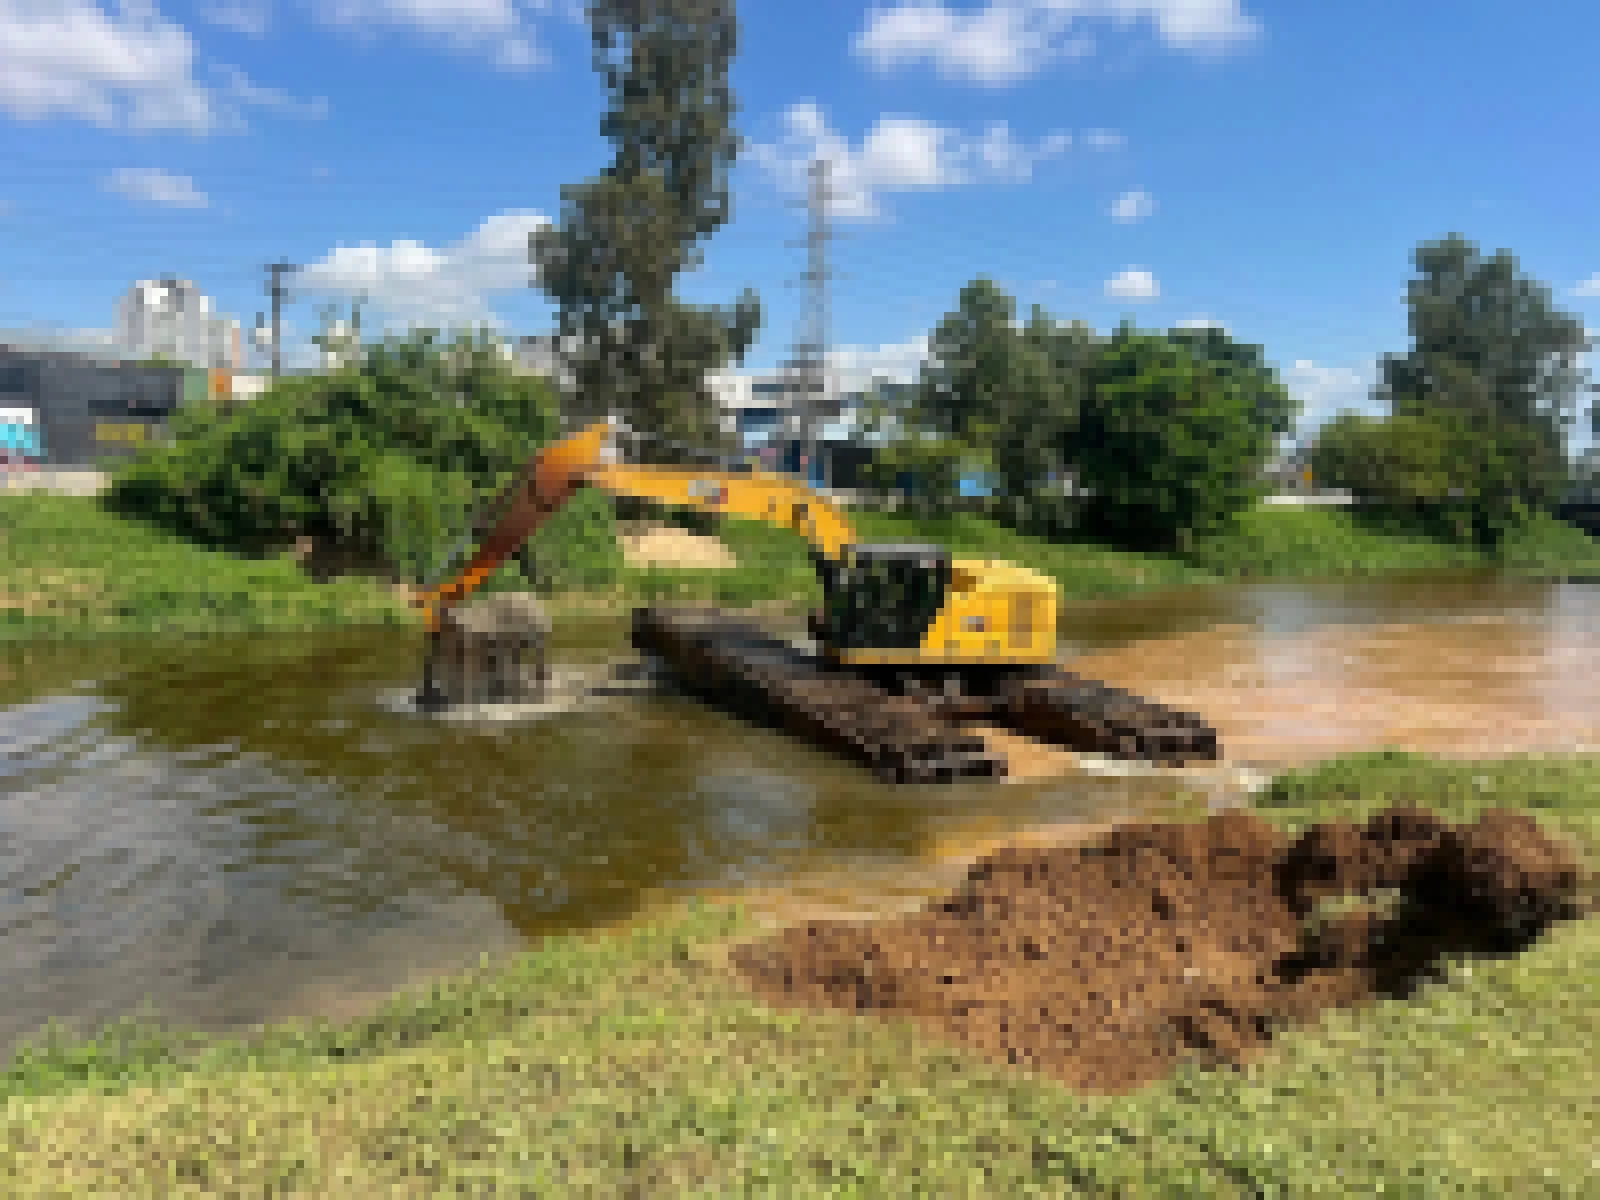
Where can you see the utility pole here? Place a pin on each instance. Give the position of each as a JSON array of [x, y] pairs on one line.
[[276, 289], [809, 365]]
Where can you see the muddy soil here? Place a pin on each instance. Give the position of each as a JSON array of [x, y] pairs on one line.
[[1107, 963]]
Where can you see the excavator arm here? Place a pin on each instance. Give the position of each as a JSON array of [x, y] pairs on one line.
[[588, 459]]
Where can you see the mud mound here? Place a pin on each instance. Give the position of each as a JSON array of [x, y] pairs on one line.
[[1105, 964]]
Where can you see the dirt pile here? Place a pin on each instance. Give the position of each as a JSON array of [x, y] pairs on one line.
[[1107, 963], [645, 545]]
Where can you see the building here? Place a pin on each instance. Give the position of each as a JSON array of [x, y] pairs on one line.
[[171, 317], [759, 411], [1290, 471], [66, 409]]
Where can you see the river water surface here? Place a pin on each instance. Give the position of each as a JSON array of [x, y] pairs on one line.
[[233, 831]]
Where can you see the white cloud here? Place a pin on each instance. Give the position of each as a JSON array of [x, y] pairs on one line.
[[246, 92], [1133, 284], [71, 57], [155, 186], [1008, 40], [897, 154], [413, 284], [1203, 323], [249, 17], [1133, 206], [1324, 392], [1104, 139], [125, 69], [855, 367], [502, 29], [1590, 287]]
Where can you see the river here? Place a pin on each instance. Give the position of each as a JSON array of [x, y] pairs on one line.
[[232, 831]]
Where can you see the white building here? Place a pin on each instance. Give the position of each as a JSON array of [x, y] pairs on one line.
[[173, 318]]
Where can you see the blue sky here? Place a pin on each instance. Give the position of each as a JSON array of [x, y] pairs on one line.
[[1266, 164]]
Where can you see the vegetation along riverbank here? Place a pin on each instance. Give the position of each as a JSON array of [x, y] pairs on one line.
[[638, 1063], [70, 568]]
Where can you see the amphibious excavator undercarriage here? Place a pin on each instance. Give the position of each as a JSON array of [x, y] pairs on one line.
[[910, 649]]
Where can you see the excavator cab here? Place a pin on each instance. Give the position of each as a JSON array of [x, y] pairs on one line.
[[883, 597]]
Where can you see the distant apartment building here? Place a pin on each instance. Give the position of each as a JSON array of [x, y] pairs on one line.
[[172, 318]]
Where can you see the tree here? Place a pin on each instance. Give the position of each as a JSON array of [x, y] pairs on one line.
[[1035, 453], [1170, 443], [1487, 342], [990, 398], [1491, 383], [1245, 363], [627, 234]]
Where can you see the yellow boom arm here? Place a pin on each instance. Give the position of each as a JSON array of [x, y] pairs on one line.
[[585, 459]]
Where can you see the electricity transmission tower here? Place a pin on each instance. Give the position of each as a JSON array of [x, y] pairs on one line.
[[276, 290], [807, 369]]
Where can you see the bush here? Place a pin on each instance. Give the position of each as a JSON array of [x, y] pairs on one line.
[[377, 462], [578, 548], [1470, 481]]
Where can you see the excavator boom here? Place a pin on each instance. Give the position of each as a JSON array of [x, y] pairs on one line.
[[587, 459]]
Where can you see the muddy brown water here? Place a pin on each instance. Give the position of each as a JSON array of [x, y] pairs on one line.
[[233, 831]]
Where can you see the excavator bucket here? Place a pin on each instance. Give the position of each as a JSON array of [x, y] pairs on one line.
[[461, 650]]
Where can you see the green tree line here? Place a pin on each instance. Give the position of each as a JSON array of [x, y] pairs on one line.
[[1146, 439], [1165, 435]]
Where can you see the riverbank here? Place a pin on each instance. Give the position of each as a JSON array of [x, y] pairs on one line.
[[635, 1063], [69, 569]]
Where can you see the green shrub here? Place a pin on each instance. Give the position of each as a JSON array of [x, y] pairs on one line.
[[577, 549], [378, 462]]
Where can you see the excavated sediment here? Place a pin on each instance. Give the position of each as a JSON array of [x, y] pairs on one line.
[[908, 738], [1106, 964]]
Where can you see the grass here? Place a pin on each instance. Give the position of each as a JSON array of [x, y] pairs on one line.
[[1306, 542], [629, 1064], [1082, 570], [68, 568]]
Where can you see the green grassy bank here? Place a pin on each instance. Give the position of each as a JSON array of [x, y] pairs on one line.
[[632, 1065], [70, 569]]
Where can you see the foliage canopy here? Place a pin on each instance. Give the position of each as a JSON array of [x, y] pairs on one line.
[[626, 234], [1173, 433], [379, 462]]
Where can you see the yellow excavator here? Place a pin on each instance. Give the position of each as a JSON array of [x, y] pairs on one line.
[[910, 607], [899, 623]]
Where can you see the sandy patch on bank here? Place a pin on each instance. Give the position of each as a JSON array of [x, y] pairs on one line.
[[654, 545]]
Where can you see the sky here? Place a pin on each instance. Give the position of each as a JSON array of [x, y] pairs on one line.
[[1268, 165]]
